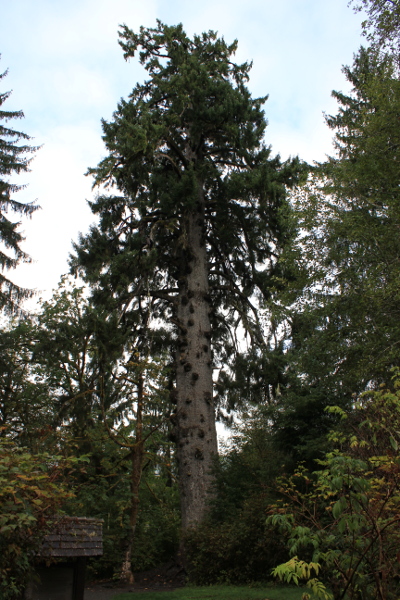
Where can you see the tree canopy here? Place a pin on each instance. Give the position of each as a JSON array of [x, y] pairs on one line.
[[382, 25]]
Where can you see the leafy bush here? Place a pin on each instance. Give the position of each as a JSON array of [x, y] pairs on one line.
[[346, 516], [32, 489], [238, 551]]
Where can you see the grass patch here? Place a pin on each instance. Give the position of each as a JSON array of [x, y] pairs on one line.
[[219, 592]]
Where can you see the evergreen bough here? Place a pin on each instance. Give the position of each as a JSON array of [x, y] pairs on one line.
[[14, 159]]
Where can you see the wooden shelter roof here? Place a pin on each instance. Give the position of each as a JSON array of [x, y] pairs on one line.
[[72, 537]]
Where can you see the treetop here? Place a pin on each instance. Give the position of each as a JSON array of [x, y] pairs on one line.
[[172, 43]]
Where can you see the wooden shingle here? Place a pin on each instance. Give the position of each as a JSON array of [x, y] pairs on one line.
[[72, 537]]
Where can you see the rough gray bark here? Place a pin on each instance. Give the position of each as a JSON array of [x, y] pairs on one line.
[[197, 439]]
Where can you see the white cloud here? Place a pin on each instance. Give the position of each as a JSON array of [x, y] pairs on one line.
[[58, 181]]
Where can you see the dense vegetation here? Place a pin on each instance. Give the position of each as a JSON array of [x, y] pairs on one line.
[[212, 254]]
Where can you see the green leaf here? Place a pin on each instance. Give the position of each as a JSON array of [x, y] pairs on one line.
[[339, 507]]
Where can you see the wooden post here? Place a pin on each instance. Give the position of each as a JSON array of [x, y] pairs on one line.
[[79, 578]]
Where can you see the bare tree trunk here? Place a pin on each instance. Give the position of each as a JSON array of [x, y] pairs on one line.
[[196, 432]]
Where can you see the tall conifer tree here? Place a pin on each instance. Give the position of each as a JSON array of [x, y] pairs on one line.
[[14, 159], [345, 334], [191, 224]]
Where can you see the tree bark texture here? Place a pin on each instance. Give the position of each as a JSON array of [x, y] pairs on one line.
[[196, 432]]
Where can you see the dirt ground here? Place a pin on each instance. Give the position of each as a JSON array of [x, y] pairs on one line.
[[167, 577]]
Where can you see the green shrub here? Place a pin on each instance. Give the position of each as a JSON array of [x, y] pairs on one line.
[[345, 517], [238, 551], [32, 489]]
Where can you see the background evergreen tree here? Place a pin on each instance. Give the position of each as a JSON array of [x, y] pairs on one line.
[[194, 221], [344, 325], [14, 159], [26, 407]]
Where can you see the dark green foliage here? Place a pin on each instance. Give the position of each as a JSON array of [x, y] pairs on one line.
[[32, 488], [77, 349], [192, 125], [88, 360], [103, 491], [344, 325], [249, 467], [158, 529], [195, 209], [345, 516], [360, 243], [300, 425], [68, 383], [26, 410], [238, 551], [13, 161], [234, 545], [254, 378], [91, 366], [197, 104]]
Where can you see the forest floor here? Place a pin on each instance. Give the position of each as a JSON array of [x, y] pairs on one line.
[[164, 578]]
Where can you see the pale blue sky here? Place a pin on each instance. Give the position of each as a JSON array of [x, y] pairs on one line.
[[67, 71]]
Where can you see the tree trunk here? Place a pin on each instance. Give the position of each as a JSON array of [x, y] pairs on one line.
[[196, 432]]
